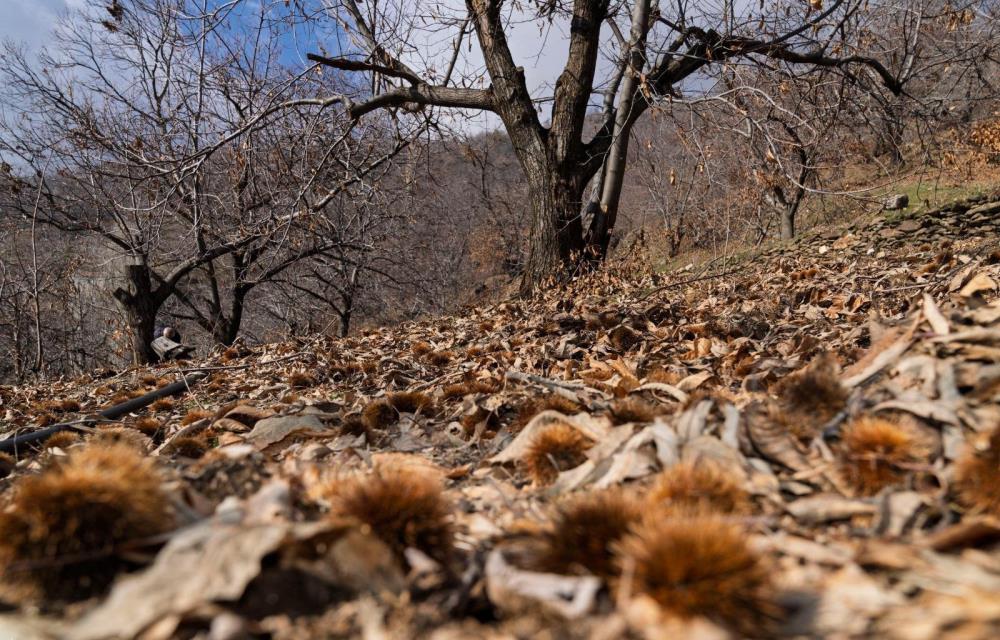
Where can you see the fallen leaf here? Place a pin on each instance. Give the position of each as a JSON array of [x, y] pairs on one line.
[[514, 590], [828, 508]]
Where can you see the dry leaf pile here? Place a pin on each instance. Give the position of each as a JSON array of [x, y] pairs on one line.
[[807, 445]]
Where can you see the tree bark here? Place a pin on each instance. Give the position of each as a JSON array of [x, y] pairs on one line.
[[788, 223], [556, 238], [140, 304], [344, 316]]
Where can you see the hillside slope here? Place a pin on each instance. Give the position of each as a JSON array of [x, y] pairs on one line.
[[798, 444]]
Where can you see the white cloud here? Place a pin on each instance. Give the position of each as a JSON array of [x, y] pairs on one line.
[[30, 22]]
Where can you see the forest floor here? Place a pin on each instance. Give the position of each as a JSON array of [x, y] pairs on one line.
[[802, 444]]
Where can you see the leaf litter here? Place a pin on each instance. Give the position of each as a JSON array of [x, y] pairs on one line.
[[807, 446]]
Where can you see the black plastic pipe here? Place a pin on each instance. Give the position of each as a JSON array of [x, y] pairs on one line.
[[10, 445]]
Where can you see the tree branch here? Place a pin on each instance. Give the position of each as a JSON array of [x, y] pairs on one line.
[[425, 94], [744, 46], [345, 64]]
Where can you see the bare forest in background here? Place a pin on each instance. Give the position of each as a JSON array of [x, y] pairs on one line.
[[165, 162]]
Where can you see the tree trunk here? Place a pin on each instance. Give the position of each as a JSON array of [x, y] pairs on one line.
[[791, 208], [787, 209], [788, 224], [556, 237], [890, 138], [613, 172], [345, 320], [347, 297], [226, 329], [140, 304], [553, 160]]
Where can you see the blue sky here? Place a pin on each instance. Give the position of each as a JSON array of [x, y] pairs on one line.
[[30, 22], [541, 52]]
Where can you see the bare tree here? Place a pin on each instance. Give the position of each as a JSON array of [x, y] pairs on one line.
[[168, 132], [668, 47]]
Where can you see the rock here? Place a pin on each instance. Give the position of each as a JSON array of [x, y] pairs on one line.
[[897, 202], [987, 209]]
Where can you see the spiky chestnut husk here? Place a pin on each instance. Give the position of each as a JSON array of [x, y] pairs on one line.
[[532, 408], [61, 440], [977, 474], [186, 447], [462, 389], [810, 397], [194, 416], [411, 402], [876, 453], [404, 505], [556, 448], [440, 358], [7, 464], [474, 351], [701, 485], [119, 398], [147, 426], [624, 338], [457, 390], [68, 405], [633, 410], [163, 404], [59, 536], [420, 348], [585, 530], [300, 380], [379, 415], [700, 565], [123, 436], [354, 426], [45, 420]]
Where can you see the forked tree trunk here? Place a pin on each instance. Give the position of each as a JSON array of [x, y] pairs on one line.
[[554, 160], [225, 329], [346, 311]]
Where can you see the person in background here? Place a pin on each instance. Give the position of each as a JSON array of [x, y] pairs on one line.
[[167, 344]]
